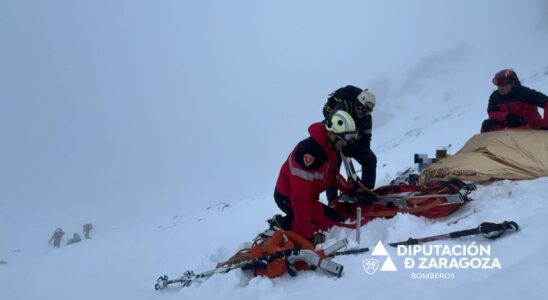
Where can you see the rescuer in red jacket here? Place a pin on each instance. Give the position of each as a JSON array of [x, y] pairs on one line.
[[514, 106], [308, 171]]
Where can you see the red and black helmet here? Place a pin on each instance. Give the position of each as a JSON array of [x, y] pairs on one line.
[[505, 76]]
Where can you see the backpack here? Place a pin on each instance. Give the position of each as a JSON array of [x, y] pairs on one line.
[[275, 253], [280, 242]]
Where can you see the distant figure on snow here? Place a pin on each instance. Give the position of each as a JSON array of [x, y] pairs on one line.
[[87, 228], [513, 105], [75, 239], [56, 237]]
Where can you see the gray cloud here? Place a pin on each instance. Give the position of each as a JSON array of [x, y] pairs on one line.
[[433, 66]]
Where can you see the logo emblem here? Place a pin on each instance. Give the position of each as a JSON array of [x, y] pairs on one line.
[[308, 160], [370, 266]]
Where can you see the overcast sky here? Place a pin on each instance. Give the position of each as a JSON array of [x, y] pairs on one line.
[[200, 101]]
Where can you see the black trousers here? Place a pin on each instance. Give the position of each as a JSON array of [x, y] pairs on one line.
[[368, 161], [283, 203]]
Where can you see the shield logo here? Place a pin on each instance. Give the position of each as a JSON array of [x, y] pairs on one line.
[[370, 266], [308, 160]]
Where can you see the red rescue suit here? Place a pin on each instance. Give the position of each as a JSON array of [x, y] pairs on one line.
[[308, 171], [522, 102]]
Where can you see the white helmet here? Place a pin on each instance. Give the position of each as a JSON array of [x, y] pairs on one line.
[[342, 124], [367, 99]]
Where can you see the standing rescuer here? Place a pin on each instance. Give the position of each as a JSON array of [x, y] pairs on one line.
[[513, 105], [359, 104], [308, 171], [56, 237]]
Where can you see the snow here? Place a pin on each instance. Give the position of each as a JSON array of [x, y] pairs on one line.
[[123, 263], [164, 198]]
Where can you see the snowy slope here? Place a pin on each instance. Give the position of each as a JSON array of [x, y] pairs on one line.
[[123, 263]]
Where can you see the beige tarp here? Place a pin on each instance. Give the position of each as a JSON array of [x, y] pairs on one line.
[[509, 154]]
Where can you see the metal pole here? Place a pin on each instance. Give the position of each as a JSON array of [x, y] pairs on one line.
[[358, 223], [349, 168]]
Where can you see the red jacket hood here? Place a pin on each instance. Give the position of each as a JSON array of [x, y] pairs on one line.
[[319, 134]]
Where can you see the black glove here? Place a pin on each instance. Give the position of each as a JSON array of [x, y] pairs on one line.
[[543, 128], [514, 120], [347, 150], [317, 238]]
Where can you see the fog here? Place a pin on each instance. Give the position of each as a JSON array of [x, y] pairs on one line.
[[181, 103]]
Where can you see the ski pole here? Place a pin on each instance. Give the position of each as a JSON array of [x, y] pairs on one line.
[[349, 252], [349, 168], [189, 276], [262, 262], [358, 224], [488, 230]]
